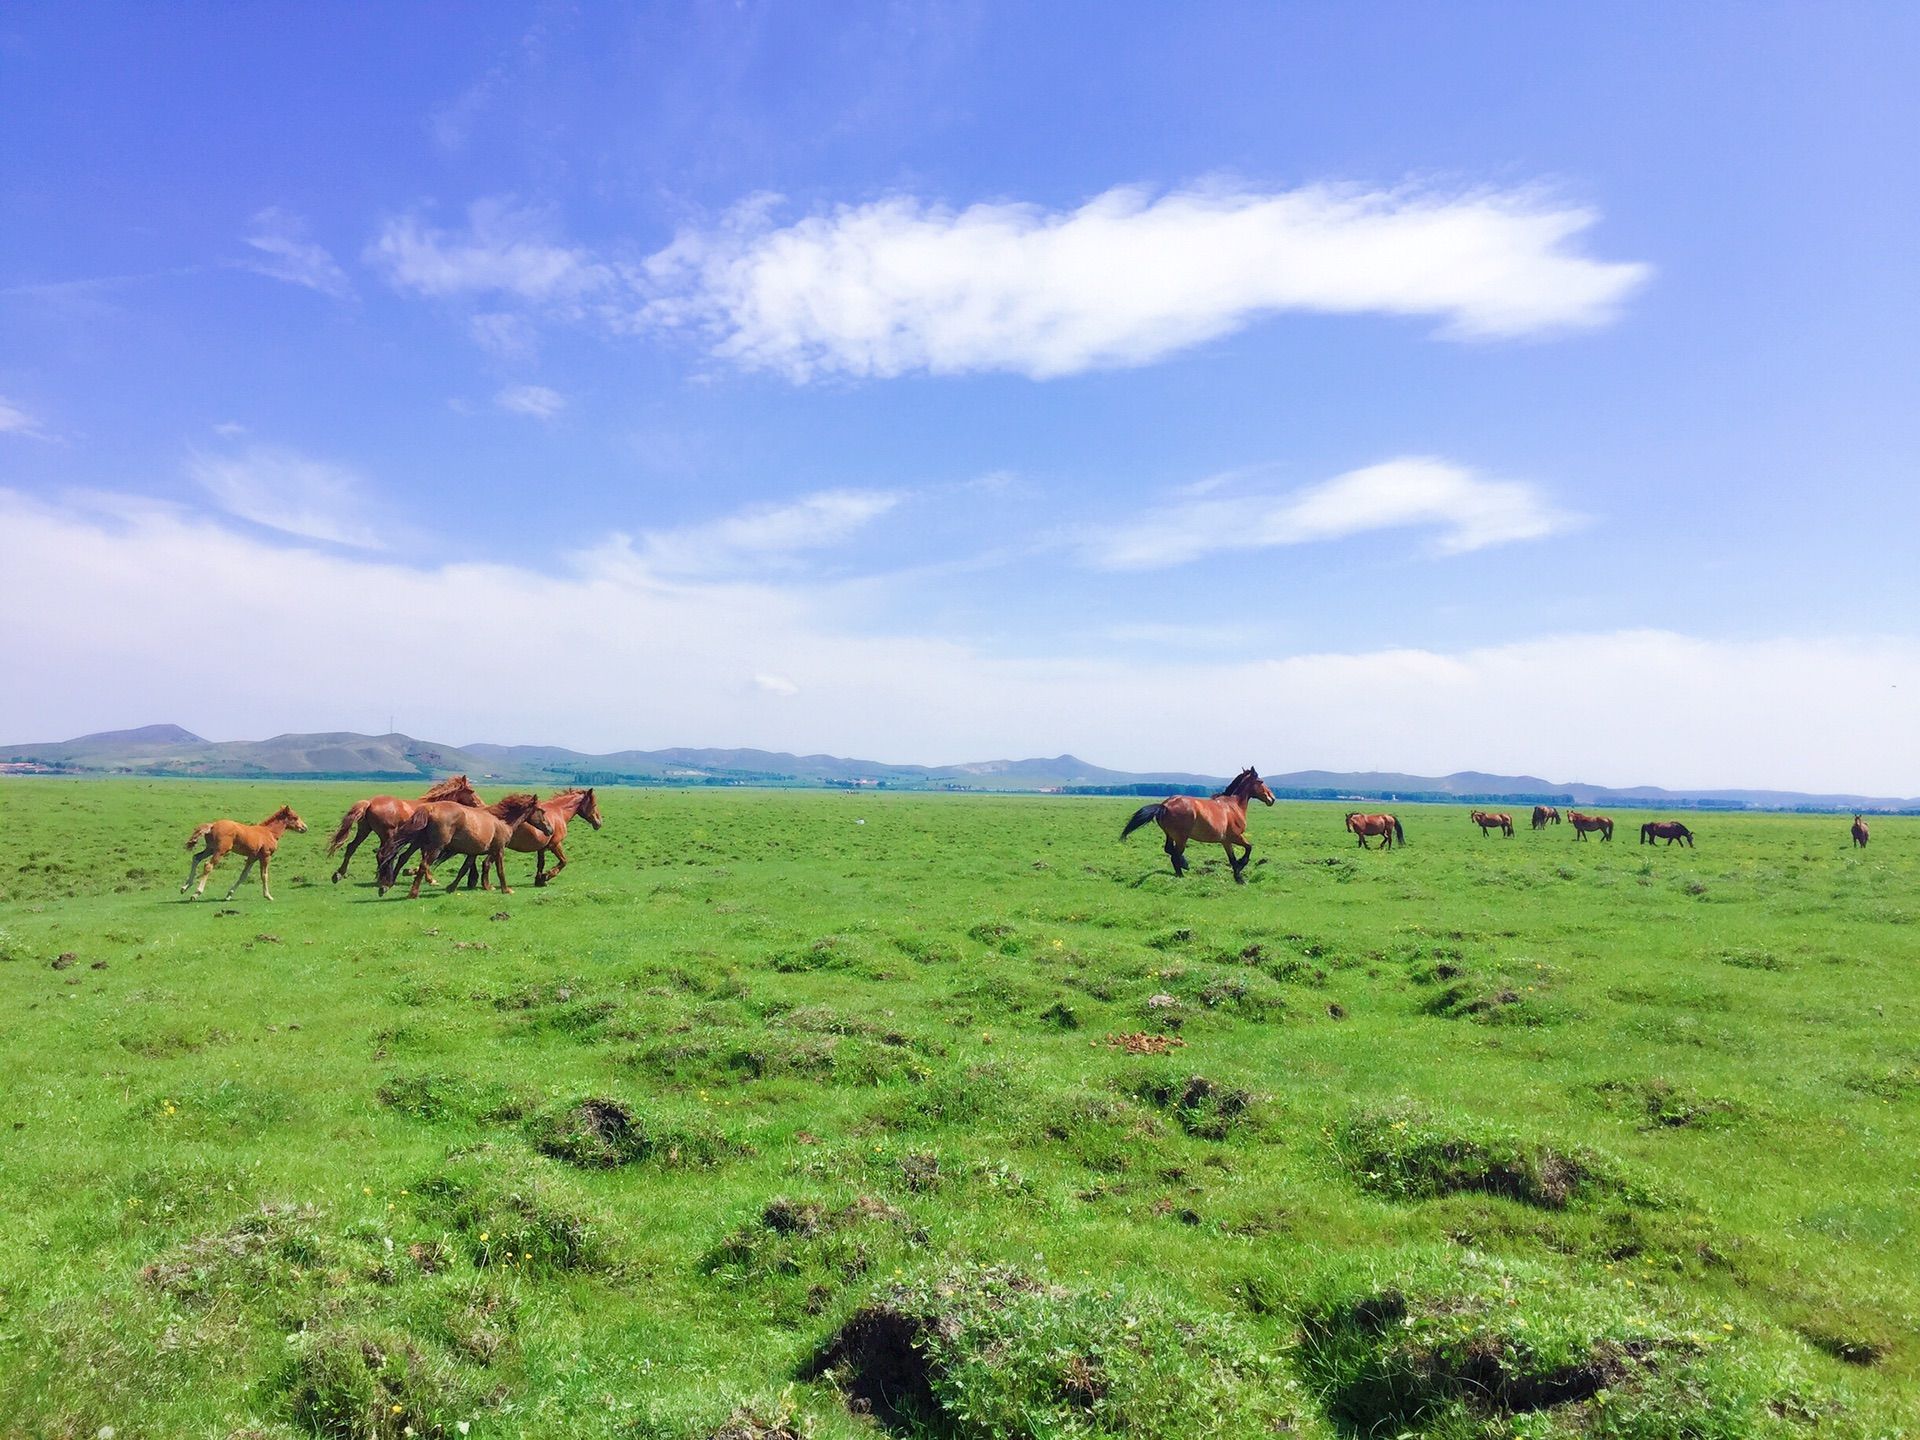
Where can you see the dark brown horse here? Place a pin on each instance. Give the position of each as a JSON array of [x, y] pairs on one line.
[[1385, 826], [256, 842], [1667, 830], [558, 811], [438, 828], [1221, 820], [384, 814], [1859, 832], [1489, 822], [1583, 823], [1545, 815]]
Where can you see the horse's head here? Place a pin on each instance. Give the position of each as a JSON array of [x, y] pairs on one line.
[[589, 811], [518, 809], [456, 791], [288, 819], [1257, 788]]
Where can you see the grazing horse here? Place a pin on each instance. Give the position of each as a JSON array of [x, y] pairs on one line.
[[558, 811], [1385, 826], [256, 842], [1859, 832], [437, 828], [1222, 820], [1488, 823], [1667, 830], [1545, 815], [384, 814], [1583, 823]]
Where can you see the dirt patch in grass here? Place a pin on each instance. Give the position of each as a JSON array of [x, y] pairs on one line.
[[1201, 1107], [1660, 1104], [257, 1251]]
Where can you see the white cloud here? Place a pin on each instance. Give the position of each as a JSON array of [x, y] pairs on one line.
[[287, 491], [902, 285], [759, 537], [507, 251], [285, 253], [16, 421], [140, 586], [1467, 512], [776, 685], [535, 400]]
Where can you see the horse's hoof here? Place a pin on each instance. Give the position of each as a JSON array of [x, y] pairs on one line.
[[336, 879]]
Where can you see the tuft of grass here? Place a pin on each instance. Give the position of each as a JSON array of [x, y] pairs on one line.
[[503, 1210], [1407, 1153]]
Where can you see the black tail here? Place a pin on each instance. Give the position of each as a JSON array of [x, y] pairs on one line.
[[1145, 815], [1399, 835]]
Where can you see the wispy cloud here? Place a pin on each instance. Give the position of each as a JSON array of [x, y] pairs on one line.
[[289, 492], [534, 400], [16, 421], [1465, 511], [776, 685], [285, 252], [751, 541], [506, 250], [903, 285]]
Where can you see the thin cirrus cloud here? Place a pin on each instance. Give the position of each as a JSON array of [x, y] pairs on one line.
[[536, 401], [16, 421], [903, 285], [283, 251], [1465, 512], [289, 492], [755, 540]]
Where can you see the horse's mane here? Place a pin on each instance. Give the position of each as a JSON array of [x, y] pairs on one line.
[[286, 810], [523, 800], [1241, 784], [448, 788]]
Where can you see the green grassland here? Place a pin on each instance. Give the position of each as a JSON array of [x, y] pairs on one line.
[[765, 1122]]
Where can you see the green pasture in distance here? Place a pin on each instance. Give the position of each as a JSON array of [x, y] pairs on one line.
[[789, 1113]]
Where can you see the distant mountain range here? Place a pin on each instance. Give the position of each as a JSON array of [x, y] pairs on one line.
[[168, 750]]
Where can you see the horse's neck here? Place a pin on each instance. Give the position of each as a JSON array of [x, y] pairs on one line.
[[275, 825], [565, 806]]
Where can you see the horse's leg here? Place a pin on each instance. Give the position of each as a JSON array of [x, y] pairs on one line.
[[499, 858], [219, 854], [426, 853], [265, 861], [352, 845], [245, 870], [559, 862], [193, 863]]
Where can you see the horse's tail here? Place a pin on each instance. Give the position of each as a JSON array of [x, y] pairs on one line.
[[199, 834], [347, 822], [1145, 815], [1399, 835]]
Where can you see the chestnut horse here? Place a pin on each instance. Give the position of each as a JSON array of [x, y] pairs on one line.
[[256, 842], [1583, 823], [1221, 820], [558, 811], [1385, 826], [1667, 830], [438, 827], [1859, 832], [1489, 823], [384, 814], [1545, 815]]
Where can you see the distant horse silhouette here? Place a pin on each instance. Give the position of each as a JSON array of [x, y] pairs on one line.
[[1385, 826], [1859, 832], [1583, 823], [1489, 823], [558, 811], [1221, 820], [384, 814], [438, 828], [1545, 815], [256, 842], [1667, 830]]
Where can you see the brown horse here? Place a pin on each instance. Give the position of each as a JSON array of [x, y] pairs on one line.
[[1221, 820], [1667, 830], [384, 814], [558, 810], [1385, 826], [256, 842], [1488, 823], [1545, 815], [1583, 823], [1859, 832], [437, 828]]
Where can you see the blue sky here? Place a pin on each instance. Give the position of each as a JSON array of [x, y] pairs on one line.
[[1505, 386]]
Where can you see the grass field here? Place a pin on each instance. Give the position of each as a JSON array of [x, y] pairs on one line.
[[763, 1121]]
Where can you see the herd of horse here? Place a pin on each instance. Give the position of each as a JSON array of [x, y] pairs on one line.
[[450, 819]]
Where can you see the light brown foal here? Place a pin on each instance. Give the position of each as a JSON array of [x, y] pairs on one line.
[[256, 842]]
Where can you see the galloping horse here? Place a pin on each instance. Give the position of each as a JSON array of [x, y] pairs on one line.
[[1583, 823], [1545, 815], [558, 811], [384, 814], [437, 827], [1489, 823], [1859, 832], [1222, 820], [256, 842], [1667, 830], [1385, 826]]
